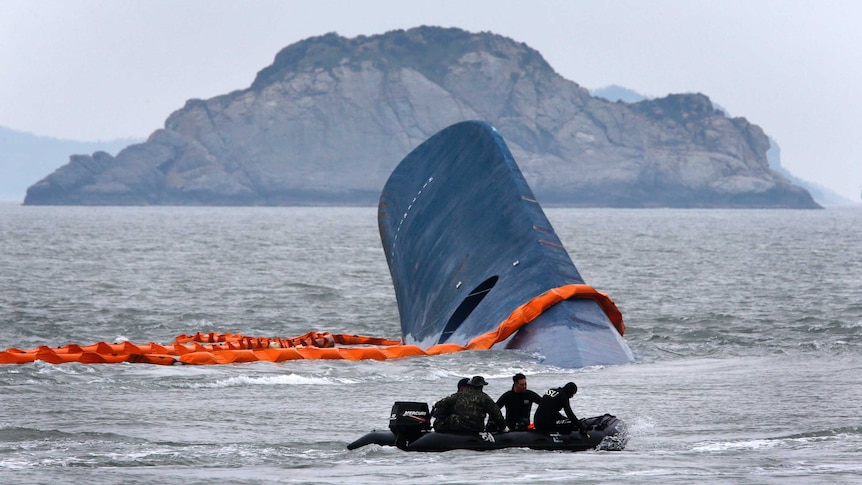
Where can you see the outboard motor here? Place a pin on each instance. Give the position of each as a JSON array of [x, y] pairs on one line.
[[408, 421]]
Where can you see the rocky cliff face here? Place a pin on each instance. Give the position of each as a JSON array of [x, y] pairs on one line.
[[331, 117]]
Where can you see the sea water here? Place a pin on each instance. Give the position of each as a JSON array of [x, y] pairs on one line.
[[746, 326]]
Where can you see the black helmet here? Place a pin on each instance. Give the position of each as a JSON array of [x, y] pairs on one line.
[[463, 383], [570, 388]]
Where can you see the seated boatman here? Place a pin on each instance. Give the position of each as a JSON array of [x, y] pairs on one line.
[[518, 402], [440, 414], [467, 410], [548, 417]]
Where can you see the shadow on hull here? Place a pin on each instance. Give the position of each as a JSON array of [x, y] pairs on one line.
[[467, 243]]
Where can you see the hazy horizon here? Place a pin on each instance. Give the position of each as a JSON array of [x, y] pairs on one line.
[[88, 70]]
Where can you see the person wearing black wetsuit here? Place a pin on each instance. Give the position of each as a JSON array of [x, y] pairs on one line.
[[548, 417], [518, 402]]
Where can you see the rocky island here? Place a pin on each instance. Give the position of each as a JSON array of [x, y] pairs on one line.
[[330, 118]]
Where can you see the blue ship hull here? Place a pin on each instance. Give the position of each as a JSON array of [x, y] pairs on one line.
[[467, 243]]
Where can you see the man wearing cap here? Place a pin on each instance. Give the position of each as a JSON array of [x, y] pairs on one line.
[[463, 384], [467, 410], [440, 414], [548, 417]]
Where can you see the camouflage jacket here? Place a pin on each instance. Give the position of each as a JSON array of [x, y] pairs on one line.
[[469, 407]]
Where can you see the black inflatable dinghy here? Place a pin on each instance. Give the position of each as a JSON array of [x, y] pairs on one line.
[[410, 430]]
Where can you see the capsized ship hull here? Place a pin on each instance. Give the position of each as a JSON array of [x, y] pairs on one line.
[[467, 243]]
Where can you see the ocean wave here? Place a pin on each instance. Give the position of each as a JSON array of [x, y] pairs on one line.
[[271, 380]]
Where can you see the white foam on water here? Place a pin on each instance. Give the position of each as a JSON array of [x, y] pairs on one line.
[[272, 380], [736, 445]]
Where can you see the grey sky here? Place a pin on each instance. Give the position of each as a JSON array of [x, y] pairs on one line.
[[91, 70]]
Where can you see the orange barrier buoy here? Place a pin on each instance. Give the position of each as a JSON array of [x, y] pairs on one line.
[[228, 348]]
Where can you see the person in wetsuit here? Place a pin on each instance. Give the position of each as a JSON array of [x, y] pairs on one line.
[[548, 417], [466, 410], [518, 402]]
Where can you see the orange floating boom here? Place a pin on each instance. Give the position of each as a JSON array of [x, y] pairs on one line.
[[216, 348]]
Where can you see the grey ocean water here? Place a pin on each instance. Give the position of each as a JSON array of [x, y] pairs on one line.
[[746, 325]]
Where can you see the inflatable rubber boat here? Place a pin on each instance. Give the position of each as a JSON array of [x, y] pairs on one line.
[[410, 430]]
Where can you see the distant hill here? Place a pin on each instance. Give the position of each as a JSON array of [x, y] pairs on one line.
[[822, 195], [26, 158], [616, 93], [330, 118]]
